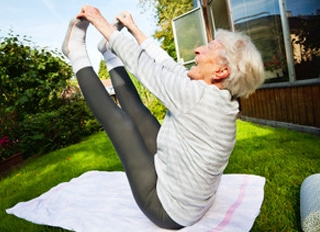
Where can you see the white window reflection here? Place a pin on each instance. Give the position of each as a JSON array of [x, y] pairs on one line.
[[262, 22]]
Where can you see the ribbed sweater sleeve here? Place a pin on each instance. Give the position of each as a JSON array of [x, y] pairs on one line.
[[167, 80]]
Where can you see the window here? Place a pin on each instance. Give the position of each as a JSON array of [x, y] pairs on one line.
[[219, 15], [189, 33], [304, 24], [262, 22], [267, 23]]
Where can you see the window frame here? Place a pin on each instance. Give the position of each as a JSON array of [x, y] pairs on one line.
[[288, 50], [203, 30]]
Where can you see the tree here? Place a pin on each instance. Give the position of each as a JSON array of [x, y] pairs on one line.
[[164, 12]]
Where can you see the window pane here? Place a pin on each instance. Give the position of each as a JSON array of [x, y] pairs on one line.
[[189, 33], [304, 23], [218, 11], [261, 21]]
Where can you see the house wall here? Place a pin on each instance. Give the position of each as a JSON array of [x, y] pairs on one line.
[[295, 104], [292, 99], [289, 43]]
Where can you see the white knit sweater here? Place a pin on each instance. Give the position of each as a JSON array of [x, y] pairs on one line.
[[197, 135]]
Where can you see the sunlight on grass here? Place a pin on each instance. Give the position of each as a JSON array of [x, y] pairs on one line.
[[41, 173], [247, 130], [285, 158]]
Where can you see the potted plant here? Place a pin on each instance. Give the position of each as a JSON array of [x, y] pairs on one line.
[[275, 66]]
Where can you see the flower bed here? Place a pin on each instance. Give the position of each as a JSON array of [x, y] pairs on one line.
[[9, 153]]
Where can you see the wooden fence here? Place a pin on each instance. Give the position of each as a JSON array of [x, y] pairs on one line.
[[297, 105]]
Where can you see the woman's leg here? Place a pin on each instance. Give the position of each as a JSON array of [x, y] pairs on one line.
[[137, 160], [129, 98]]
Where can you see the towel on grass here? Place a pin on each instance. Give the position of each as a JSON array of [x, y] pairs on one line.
[[102, 201]]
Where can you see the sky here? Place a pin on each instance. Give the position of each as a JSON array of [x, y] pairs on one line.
[[45, 21]]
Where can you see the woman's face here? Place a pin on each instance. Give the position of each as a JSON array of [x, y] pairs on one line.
[[206, 58]]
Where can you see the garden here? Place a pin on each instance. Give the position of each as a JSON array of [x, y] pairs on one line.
[[285, 158], [44, 118]]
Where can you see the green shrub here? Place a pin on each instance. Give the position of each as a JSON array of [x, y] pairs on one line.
[[48, 131], [34, 114]]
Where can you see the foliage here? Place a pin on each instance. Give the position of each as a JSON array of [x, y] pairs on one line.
[[103, 72], [33, 111], [48, 131], [8, 147], [285, 158], [165, 11], [31, 78]]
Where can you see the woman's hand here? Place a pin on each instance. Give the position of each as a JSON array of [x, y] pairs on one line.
[[127, 20], [91, 14], [94, 16]]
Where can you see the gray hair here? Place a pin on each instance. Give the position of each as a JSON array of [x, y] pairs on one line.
[[244, 61]]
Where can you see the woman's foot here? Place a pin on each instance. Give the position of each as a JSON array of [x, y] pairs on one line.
[[112, 61], [74, 44], [103, 46]]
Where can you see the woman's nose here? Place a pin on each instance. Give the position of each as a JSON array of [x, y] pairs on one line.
[[198, 50]]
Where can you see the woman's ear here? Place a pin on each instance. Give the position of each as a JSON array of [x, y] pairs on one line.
[[222, 73]]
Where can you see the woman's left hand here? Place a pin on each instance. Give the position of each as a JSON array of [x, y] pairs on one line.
[[94, 16]]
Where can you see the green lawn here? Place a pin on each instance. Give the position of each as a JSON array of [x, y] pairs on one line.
[[284, 157]]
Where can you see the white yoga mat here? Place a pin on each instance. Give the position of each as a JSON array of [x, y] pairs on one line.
[[102, 201]]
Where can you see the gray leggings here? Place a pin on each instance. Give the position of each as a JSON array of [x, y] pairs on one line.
[[133, 131]]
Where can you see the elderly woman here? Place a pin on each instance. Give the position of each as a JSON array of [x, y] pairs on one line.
[[173, 170]]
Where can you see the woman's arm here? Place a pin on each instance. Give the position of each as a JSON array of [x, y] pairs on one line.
[[161, 56], [153, 49], [174, 89]]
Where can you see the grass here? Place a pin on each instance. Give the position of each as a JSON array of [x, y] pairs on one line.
[[284, 157]]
